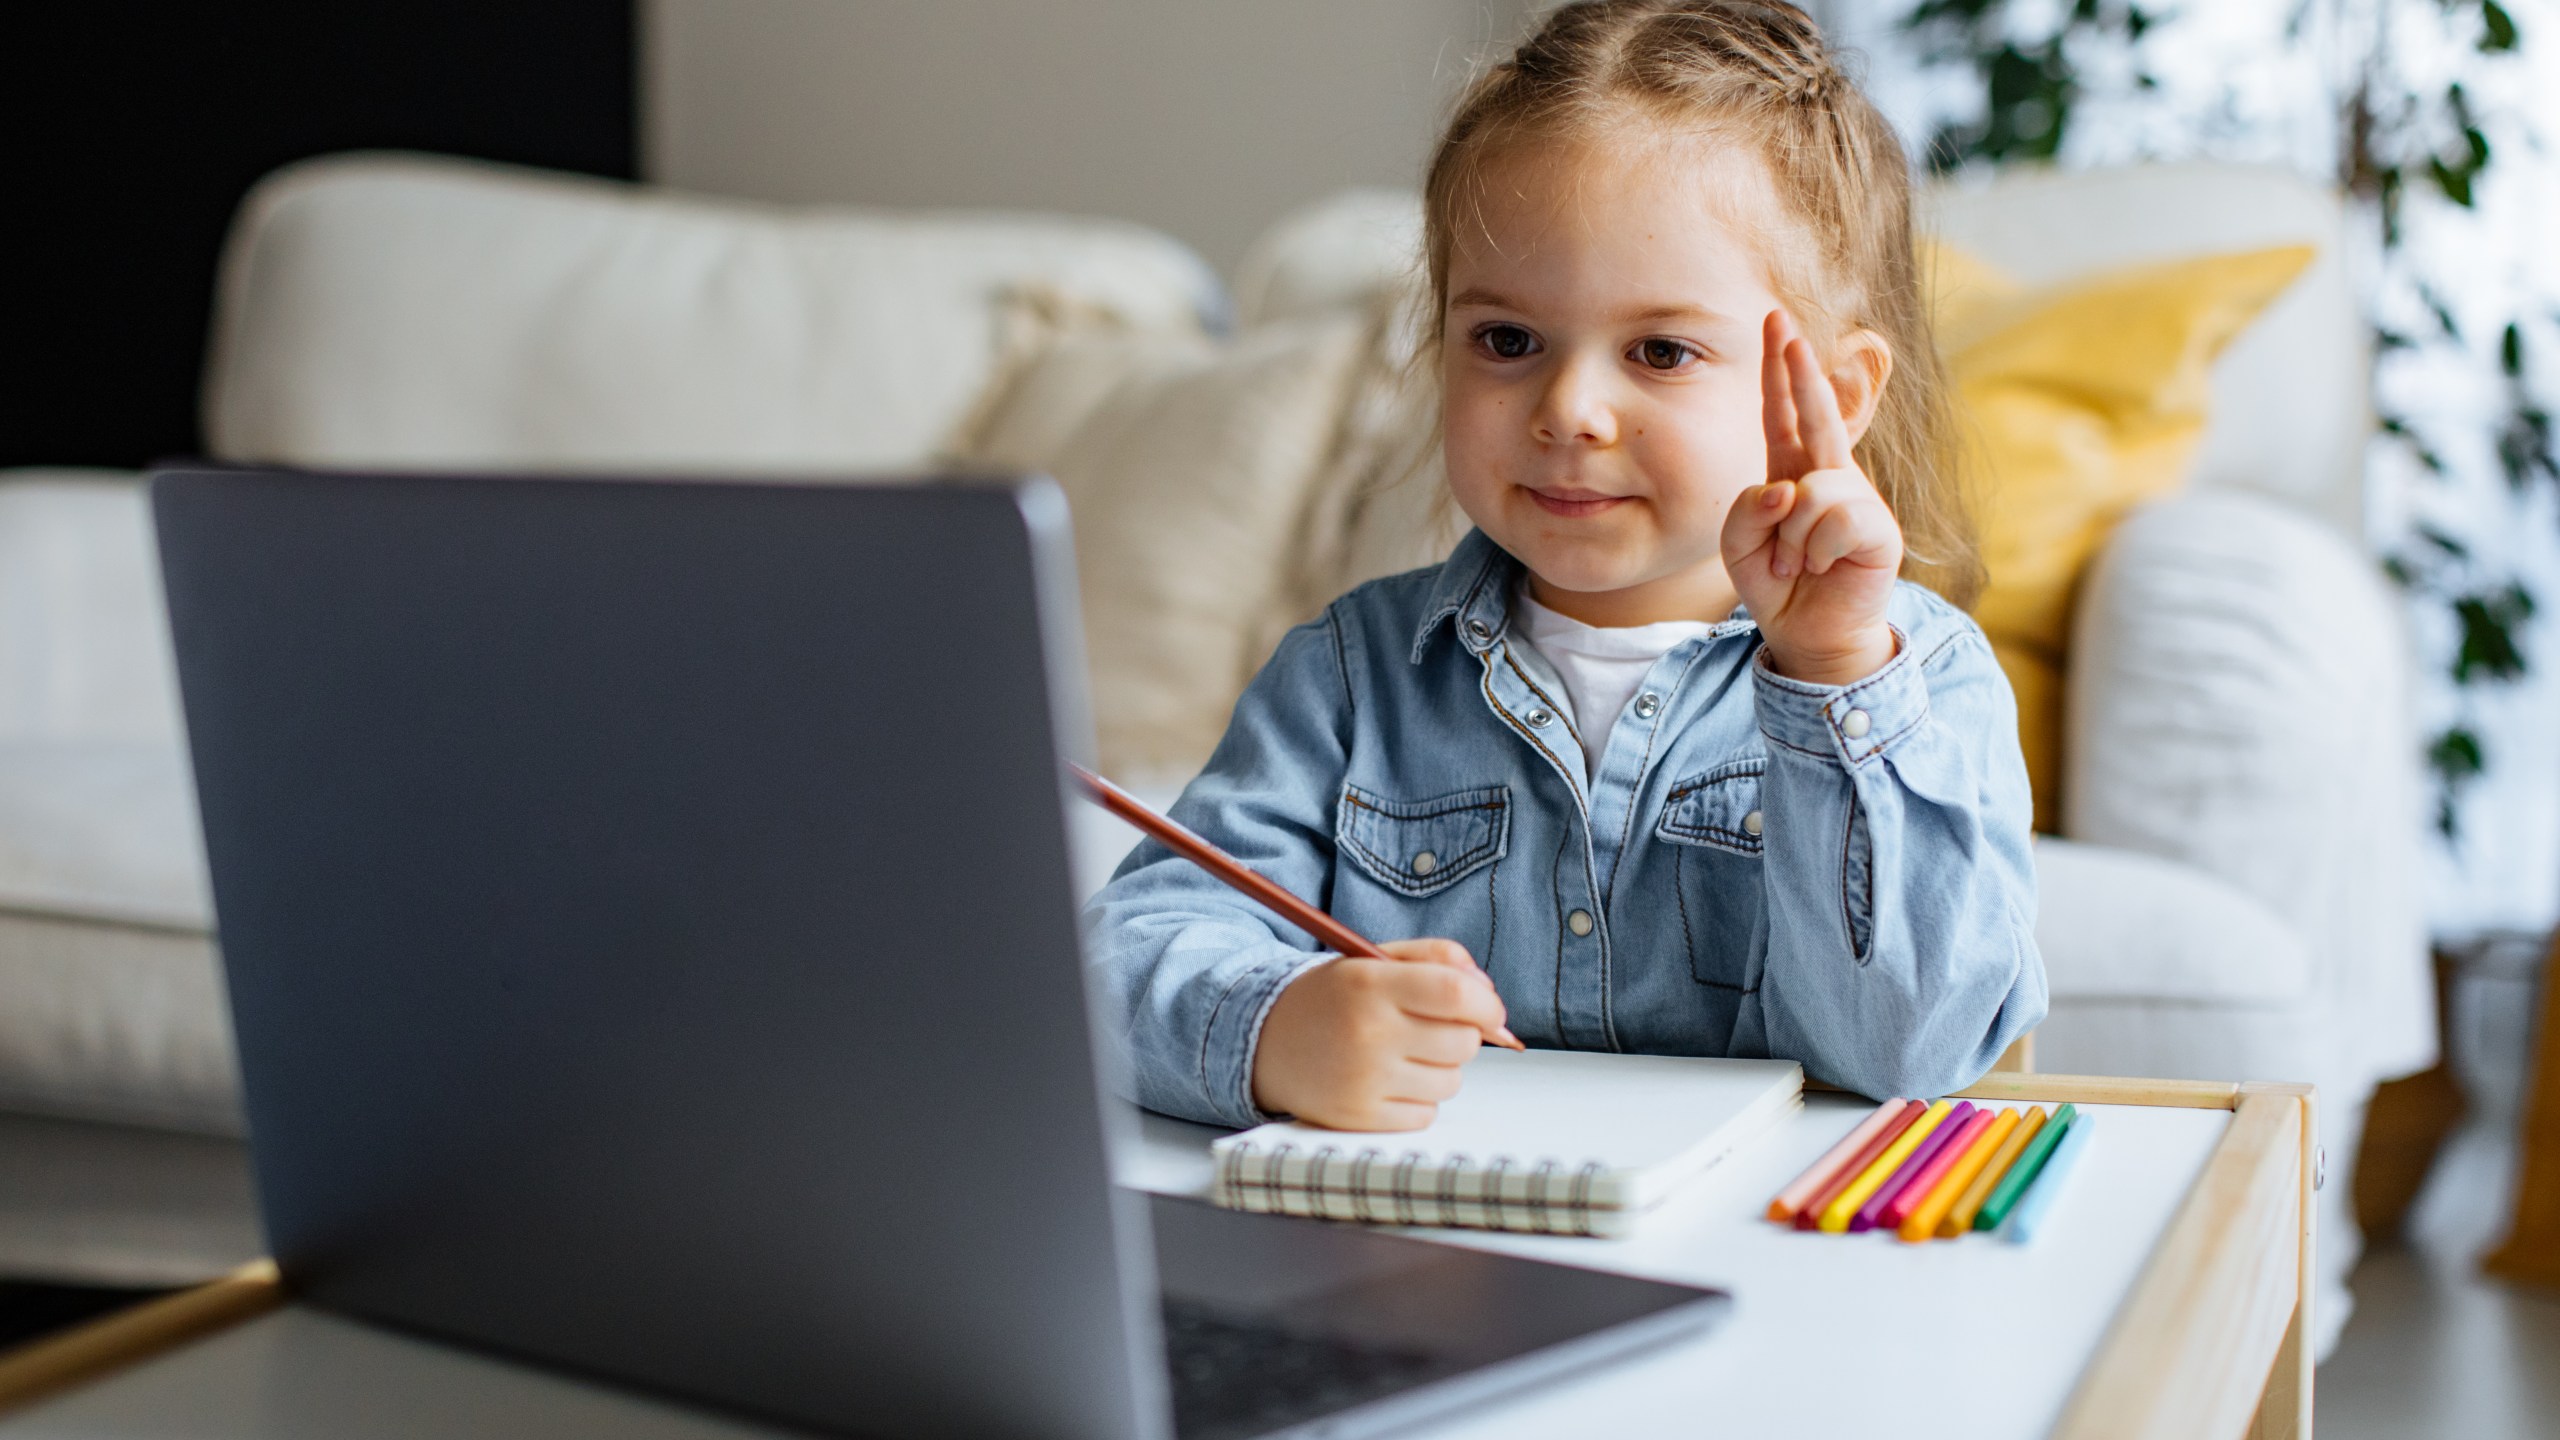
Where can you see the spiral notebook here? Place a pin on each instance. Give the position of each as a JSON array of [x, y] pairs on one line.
[[1559, 1142]]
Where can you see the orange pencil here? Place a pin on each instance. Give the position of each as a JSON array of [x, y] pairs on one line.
[[1959, 1217], [1791, 1201], [1331, 932], [1942, 1197]]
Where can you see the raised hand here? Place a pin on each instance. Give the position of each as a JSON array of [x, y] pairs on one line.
[[1814, 549]]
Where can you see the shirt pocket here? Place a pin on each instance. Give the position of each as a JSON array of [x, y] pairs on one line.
[[1419, 848], [1712, 823], [1719, 809]]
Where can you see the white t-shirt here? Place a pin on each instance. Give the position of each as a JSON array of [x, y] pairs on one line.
[[1600, 668]]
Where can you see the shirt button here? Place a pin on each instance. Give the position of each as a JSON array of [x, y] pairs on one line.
[[1538, 718], [1579, 922], [1752, 823], [1855, 724], [1647, 705], [1479, 629], [1426, 862]]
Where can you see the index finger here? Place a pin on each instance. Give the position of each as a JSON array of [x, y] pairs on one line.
[[1434, 992], [1817, 408], [1777, 398]]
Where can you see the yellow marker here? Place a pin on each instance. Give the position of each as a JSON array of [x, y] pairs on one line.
[[1835, 1216], [1960, 1218], [1942, 1196]]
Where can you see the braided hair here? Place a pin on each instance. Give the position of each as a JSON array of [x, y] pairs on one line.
[[1754, 78]]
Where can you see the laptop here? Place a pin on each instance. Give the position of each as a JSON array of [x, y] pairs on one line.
[[652, 945]]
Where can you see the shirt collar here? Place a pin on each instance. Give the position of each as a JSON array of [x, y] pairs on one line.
[[1474, 589]]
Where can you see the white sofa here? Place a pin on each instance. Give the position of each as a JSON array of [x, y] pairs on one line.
[[2233, 901]]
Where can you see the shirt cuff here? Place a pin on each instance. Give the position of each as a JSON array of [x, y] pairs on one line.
[[1236, 1031], [1851, 723]]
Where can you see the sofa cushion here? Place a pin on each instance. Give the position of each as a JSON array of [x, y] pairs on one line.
[[2239, 706], [101, 831], [1187, 465], [2081, 401], [84, 639], [115, 1022], [2289, 409], [2117, 925], [404, 311], [92, 1204], [111, 1003], [1341, 252]]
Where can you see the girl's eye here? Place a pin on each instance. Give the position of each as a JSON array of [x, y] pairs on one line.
[[1663, 354], [1505, 342]]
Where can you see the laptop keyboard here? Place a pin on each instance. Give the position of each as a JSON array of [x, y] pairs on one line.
[[1233, 1379]]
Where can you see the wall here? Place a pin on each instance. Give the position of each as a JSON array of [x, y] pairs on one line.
[[1204, 118]]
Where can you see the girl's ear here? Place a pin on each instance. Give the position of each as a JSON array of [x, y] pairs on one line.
[[1859, 369]]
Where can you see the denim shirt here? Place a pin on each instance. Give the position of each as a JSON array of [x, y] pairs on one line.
[[1754, 866]]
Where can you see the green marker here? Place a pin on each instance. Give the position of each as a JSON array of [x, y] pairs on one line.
[[2023, 1173]]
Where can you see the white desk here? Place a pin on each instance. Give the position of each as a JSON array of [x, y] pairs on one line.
[[2161, 1300]]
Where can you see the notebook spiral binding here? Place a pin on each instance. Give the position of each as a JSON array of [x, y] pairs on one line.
[[1551, 1199]]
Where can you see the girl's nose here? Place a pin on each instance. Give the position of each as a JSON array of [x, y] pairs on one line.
[[1575, 408]]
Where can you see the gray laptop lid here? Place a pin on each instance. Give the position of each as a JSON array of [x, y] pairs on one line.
[[544, 826]]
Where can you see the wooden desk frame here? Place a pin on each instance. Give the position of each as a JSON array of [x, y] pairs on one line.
[[2215, 1339]]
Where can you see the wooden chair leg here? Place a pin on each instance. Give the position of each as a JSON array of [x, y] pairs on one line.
[[2532, 1251]]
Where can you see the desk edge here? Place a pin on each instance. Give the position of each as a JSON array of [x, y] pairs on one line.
[[2206, 1344], [45, 1367]]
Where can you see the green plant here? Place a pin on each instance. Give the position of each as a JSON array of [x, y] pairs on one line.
[[2404, 141]]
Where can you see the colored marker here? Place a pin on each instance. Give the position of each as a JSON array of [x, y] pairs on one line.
[[1791, 1201], [1969, 1204], [1871, 1214], [1924, 1181], [1810, 1216], [1924, 1218], [1844, 1206], [2023, 1174], [2028, 1218]]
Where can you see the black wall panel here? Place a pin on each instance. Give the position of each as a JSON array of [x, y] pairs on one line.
[[132, 128]]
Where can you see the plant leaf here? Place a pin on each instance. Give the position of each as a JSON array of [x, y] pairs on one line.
[[2491, 623], [2497, 28]]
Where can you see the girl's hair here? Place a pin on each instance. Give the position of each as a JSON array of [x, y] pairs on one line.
[[1758, 77]]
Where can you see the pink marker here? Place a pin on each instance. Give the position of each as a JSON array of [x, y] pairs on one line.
[[1791, 1201], [1916, 1194], [1871, 1212]]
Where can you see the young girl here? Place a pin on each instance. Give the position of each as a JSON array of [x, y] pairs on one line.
[[1666, 746]]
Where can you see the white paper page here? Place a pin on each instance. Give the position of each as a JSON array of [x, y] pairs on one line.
[[1628, 1113]]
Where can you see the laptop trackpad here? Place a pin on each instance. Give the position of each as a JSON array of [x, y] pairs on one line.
[[1273, 1321]]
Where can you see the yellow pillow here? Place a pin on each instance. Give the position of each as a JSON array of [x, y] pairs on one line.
[[2078, 402]]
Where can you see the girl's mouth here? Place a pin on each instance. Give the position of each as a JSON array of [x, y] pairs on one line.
[[1574, 503]]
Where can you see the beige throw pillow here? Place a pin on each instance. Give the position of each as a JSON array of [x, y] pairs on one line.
[[1188, 466], [1393, 508]]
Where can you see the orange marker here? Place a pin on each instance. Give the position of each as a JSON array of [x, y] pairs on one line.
[[1942, 1196], [1791, 1201], [1959, 1217]]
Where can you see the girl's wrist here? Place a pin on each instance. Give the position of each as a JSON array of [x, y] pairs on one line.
[[1845, 665]]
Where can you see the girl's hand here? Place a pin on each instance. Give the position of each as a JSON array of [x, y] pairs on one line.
[[1375, 1044], [1813, 551]]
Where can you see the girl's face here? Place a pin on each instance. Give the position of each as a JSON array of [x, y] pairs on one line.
[[1600, 360]]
